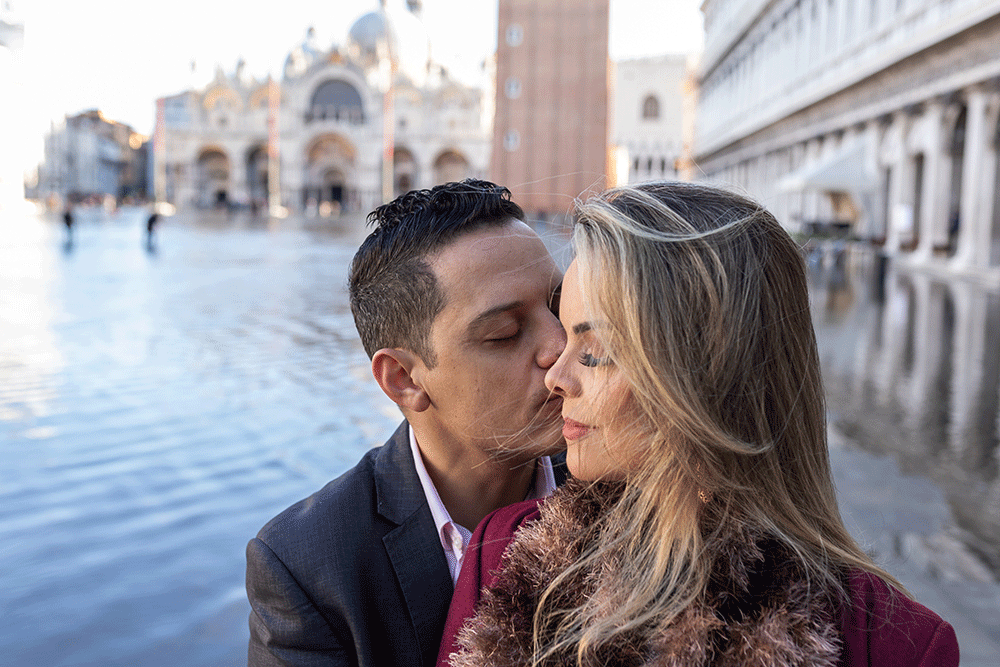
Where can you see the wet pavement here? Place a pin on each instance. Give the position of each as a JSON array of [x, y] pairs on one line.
[[912, 372], [158, 405]]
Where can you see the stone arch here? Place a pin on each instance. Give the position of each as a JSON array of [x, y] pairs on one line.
[[336, 99], [404, 170], [213, 176], [329, 173], [450, 165]]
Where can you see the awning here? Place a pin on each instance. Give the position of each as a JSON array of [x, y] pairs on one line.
[[844, 170]]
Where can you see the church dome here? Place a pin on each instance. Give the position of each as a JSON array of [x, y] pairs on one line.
[[393, 30], [302, 56]]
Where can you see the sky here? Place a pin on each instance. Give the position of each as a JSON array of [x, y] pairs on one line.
[[120, 55]]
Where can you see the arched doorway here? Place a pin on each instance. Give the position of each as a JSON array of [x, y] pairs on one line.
[[329, 169], [450, 166], [404, 171], [333, 187], [213, 178]]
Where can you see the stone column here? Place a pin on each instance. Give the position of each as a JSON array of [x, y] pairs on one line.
[[900, 223], [239, 188], [990, 195], [933, 218], [974, 228], [293, 160]]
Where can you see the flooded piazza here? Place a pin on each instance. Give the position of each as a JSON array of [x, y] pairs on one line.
[[158, 404]]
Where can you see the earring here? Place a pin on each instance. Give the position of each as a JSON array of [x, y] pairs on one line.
[[703, 495]]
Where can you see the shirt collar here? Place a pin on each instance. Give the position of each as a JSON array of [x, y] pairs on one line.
[[544, 486]]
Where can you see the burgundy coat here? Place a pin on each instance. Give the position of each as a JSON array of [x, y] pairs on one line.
[[914, 636]]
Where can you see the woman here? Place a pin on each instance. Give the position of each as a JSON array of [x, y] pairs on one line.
[[702, 527]]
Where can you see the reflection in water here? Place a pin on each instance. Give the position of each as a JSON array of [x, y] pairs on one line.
[[911, 364]]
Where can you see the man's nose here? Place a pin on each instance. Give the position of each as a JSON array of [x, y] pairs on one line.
[[552, 344]]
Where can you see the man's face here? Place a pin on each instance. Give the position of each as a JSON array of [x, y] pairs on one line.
[[494, 340]]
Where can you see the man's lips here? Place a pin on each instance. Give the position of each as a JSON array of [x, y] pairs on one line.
[[573, 430]]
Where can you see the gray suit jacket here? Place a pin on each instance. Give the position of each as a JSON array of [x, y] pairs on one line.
[[352, 575]]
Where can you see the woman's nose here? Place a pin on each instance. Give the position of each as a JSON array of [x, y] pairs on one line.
[[557, 379]]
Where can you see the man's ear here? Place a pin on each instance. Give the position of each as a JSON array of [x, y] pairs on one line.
[[393, 370]]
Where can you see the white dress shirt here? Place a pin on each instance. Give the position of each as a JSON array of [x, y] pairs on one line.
[[455, 538]]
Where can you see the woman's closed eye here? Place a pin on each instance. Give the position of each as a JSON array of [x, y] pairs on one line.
[[588, 359]]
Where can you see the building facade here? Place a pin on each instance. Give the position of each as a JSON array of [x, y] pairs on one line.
[[11, 124], [337, 127], [649, 95], [882, 117], [550, 133], [90, 157]]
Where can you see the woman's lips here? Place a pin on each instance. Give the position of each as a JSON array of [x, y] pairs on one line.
[[573, 430]]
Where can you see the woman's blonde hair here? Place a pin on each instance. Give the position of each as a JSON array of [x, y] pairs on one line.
[[706, 303]]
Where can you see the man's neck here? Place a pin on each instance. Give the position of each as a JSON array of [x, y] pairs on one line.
[[471, 483]]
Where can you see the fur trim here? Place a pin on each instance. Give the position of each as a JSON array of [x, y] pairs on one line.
[[758, 609]]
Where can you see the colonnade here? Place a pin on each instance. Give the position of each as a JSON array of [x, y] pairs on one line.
[[928, 180]]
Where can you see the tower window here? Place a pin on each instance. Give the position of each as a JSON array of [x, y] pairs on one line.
[[515, 34], [512, 87], [650, 108], [512, 141]]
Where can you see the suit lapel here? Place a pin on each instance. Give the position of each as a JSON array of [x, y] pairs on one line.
[[413, 546]]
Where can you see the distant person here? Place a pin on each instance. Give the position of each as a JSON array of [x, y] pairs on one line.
[[151, 223], [701, 528], [68, 220], [452, 295]]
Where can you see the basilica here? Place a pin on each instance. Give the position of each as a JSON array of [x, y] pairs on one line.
[[345, 126]]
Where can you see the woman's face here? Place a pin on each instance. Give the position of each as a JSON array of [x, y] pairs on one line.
[[598, 407]]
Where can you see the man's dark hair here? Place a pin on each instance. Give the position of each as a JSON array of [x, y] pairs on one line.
[[395, 295]]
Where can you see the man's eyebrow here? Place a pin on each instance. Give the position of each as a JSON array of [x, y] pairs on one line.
[[493, 312]]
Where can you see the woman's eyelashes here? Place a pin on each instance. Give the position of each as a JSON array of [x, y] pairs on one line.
[[588, 359]]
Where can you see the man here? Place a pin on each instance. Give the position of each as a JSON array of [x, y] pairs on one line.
[[452, 296]]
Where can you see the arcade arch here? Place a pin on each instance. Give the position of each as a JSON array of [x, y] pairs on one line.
[[329, 172], [213, 176], [404, 171], [450, 166]]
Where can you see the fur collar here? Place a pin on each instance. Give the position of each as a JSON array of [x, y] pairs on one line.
[[757, 610]]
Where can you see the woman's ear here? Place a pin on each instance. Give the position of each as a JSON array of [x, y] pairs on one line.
[[393, 371]]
